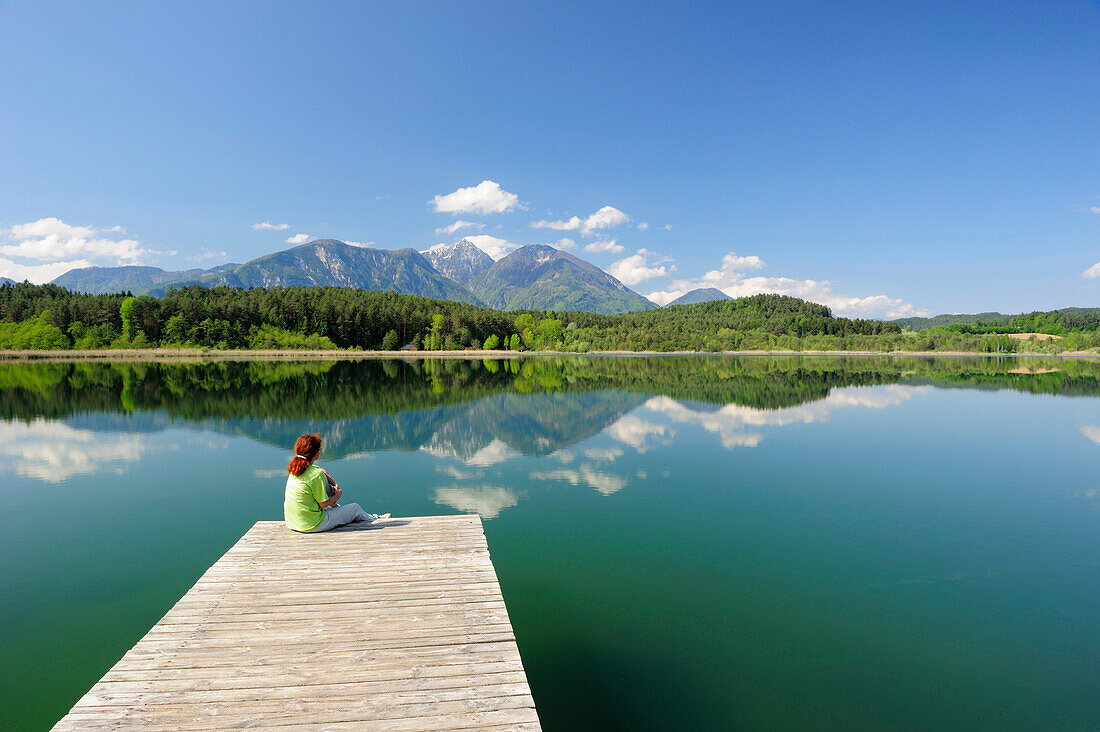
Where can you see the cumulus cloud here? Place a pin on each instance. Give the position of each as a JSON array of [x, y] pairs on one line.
[[206, 254], [52, 239], [1094, 209], [635, 268], [487, 197], [360, 244], [604, 246], [730, 278], [268, 226], [667, 227], [298, 239], [571, 224], [565, 243], [460, 224], [606, 218], [54, 247], [494, 246], [642, 226], [1093, 271], [1093, 433], [39, 273]]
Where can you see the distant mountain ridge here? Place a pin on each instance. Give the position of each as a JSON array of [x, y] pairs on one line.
[[461, 261], [134, 278], [333, 263], [703, 294], [535, 277], [540, 277]]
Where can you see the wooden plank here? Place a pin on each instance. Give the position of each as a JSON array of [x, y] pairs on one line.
[[399, 625]]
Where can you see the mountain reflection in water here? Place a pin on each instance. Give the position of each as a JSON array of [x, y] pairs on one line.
[[471, 414]]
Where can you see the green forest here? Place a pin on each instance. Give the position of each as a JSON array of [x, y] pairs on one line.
[[49, 317]]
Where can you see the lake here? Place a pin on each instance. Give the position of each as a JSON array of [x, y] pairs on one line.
[[683, 542]]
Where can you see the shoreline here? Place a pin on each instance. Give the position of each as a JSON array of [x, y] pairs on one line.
[[185, 354]]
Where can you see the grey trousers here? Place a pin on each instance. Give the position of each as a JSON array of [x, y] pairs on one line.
[[340, 515]]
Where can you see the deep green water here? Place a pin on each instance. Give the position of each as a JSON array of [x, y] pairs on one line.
[[683, 542]]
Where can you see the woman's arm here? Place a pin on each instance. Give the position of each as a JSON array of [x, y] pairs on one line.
[[336, 493]]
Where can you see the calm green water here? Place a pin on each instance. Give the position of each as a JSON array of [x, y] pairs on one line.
[[683, 543]]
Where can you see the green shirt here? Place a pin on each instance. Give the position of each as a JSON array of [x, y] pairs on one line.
[[304, 493]]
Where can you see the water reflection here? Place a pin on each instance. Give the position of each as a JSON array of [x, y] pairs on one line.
[[53, 451], [729, 422], [486, 500], [475, 417]]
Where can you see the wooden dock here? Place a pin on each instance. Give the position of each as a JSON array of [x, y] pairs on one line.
[[399, 626]]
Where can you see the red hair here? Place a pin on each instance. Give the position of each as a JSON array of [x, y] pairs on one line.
[[306, 450]]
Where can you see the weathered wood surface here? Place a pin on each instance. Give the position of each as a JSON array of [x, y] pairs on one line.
[[397, 626]]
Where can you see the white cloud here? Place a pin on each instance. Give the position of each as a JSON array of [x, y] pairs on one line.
[[494, 246], [606, 218], [267, 226], [667, 227], [360, 244], [571, 224], [487, 197], [565, 243], [51, 239], [486, 500], [1094, 209], [206, 254], [731, 279], [1093, 271], [297, 239], [642, 226], [635, 268], [605, 246], [1093, 433], [39, 273], [460, 224]]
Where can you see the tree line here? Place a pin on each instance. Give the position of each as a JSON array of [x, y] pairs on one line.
[[49, 317]]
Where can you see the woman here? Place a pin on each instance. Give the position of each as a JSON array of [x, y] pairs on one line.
[[310, 505]]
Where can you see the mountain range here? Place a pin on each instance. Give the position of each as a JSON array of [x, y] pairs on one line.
[[533, 277], [703, 294]]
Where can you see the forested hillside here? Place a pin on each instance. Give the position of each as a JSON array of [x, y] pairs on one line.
[[51, 317], [1052, 322]]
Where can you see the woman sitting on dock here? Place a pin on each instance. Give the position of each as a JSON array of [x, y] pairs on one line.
[[311, 493]]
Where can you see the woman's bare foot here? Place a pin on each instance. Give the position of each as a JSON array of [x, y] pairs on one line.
[[381, 516]]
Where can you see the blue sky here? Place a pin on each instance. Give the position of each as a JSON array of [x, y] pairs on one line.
[[883, 158]]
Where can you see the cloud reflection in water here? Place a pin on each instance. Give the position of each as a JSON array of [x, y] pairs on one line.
[[55, 452]]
